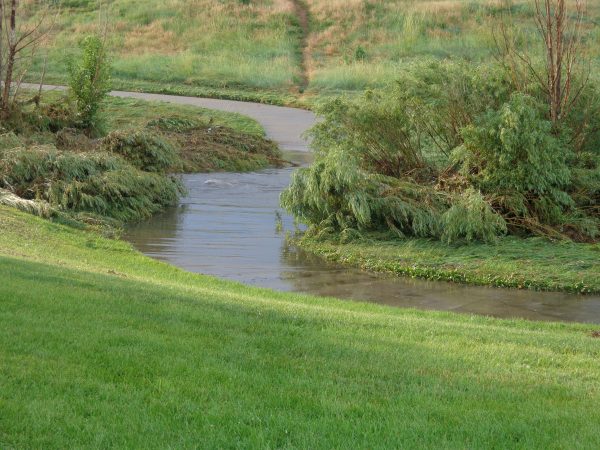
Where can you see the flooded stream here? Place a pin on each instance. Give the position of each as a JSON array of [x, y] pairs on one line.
[[227, 227]]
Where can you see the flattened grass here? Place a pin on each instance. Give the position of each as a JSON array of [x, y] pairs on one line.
[[533, 263], [102, 347]]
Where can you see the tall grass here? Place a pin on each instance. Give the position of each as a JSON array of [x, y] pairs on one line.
[[236, 46], [391, 33], [194, 42]]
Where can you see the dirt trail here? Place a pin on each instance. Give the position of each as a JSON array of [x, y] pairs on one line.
[[302, 12]]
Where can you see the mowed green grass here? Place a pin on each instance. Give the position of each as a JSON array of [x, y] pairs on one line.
[[103, 347]]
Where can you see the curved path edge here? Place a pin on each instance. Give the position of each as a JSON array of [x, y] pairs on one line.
[[284, 125]]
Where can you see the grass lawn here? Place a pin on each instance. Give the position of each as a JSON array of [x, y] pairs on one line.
[[103, 347], [533, 263]]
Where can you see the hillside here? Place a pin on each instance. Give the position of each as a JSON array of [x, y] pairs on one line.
[[240, 48]]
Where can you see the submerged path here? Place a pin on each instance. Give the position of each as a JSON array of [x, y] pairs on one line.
[[226, 227]]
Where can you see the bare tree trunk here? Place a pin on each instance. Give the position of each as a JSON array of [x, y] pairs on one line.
[[563, 51], [1, 39], [10, 60], [564, 55]]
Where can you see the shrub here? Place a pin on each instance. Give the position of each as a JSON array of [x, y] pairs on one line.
[[512, 153], [471, 218], [143, 149], [89, 81], [452, 152]]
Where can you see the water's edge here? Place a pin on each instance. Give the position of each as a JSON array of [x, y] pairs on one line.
[[227, 227]]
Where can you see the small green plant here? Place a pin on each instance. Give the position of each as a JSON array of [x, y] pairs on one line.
[[89, 81], [360, 54]]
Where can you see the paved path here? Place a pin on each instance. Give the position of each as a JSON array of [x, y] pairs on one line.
[[284, 125]]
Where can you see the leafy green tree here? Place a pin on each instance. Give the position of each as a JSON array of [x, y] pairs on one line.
[[90, 81]]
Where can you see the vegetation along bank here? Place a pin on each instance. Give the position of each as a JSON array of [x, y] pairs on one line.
[[460, 171], [83, 158]]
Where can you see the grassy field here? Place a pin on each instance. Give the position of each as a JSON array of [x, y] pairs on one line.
[[252, 50], [225, 46], [532, 263], [103, 347], [357, 44]]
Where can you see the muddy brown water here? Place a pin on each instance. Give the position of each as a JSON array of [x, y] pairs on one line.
[[227, 227]]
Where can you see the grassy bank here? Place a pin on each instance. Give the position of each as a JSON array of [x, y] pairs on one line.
[[533, 263], [232, 46], [360, 44], [124, 113], [104, 347], [124, 170], [212, 141], [253, 50]]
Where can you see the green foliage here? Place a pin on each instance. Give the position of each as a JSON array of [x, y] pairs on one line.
[[143, 149], [98, 183], [454, 152], [471, 218], [513, 149], [89, 80], [512, 153]]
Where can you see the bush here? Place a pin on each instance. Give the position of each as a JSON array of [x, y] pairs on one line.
[[471, 218], [143, 149], [89, 81], [451, 152], [512, 153]]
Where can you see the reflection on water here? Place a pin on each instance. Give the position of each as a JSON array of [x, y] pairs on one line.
[[226, 227]]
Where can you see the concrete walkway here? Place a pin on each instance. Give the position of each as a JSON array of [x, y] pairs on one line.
[[284, 125]]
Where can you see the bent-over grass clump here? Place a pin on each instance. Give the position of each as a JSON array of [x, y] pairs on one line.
[[94, 182], [207, 147]]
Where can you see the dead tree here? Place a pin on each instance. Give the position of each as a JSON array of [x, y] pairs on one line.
[[565, 70], [562, 37], [14, 42]]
